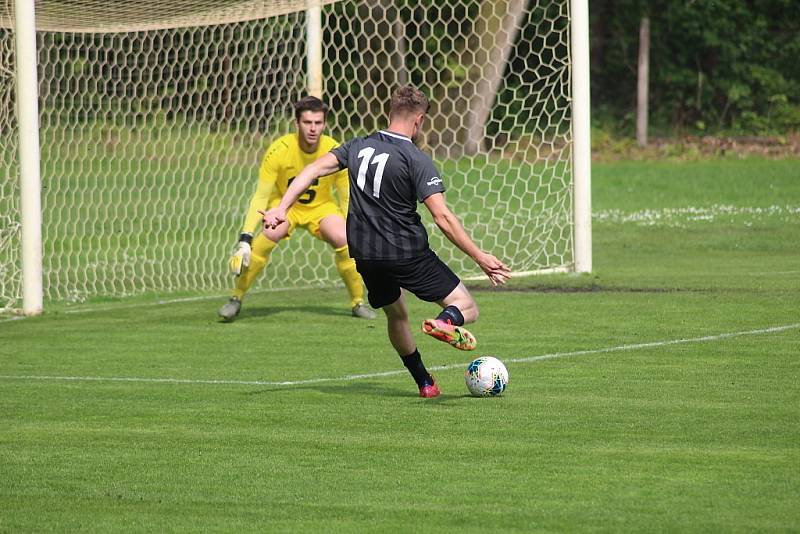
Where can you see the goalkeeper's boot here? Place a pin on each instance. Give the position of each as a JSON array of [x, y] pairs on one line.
[[429, 390], [230, 309], [363, 312], [457, 336]]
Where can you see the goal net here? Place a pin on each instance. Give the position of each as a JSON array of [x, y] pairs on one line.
[[154, 116]]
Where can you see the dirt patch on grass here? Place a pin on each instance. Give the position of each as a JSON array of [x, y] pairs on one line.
[[593, 288]]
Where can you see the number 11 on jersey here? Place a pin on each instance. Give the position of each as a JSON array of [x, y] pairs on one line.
[[365, 155]]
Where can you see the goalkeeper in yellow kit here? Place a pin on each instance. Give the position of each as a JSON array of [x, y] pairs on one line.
[[316, 210]]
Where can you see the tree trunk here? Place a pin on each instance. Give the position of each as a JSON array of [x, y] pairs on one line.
[[642, 81], [399, 55], [495, 33]]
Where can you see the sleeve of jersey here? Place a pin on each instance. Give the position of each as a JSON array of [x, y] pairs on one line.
[[341, 152], [267, 175], [426, 178]]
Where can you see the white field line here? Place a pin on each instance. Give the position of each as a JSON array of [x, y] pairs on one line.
[[347, 378], [620, 348]]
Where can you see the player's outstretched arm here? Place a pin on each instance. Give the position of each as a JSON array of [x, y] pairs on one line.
[[260, 200], [452, 228], [267, 175], [323, 166]]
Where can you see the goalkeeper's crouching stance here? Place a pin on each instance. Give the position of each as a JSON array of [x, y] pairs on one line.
[[317, 210]]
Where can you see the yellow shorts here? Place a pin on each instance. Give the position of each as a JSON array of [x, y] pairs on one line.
[[310, 218]]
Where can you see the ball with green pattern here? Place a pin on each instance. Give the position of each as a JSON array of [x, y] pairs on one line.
[[486, 377]]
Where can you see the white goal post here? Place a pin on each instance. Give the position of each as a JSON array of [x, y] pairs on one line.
[[131, 131]]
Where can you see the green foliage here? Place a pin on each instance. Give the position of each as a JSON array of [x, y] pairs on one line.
[[211, 74], [715, 66]]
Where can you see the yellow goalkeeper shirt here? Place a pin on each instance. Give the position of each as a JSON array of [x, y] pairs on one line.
[[283, 161]]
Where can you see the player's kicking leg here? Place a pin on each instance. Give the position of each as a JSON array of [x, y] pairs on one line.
[[459, 308]]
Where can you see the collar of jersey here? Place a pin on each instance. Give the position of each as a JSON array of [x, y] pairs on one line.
[[397, 136]]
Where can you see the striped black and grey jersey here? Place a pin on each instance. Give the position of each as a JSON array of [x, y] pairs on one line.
[[388, 176]]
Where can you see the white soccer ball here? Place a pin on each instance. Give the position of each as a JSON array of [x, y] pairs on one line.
[[486, 377]]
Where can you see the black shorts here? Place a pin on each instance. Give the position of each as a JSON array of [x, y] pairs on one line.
[[426, 276]]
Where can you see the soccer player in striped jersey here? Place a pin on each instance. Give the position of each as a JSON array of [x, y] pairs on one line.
[[316, 209], [388, 176]]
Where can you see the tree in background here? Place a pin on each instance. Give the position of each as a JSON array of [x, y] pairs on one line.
[[714, 65]]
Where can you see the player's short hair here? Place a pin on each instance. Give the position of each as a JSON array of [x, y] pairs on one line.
[[309, 103], [408, 99]]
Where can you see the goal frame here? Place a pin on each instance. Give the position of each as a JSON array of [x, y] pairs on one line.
[[29, 135]]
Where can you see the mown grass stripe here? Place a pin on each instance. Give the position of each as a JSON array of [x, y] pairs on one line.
[[346, 378]]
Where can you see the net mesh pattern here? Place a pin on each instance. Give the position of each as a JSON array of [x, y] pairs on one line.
[[155, 115]]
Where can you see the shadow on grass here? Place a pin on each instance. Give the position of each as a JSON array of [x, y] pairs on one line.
[[361, 389], [369, 389], [254, 312]]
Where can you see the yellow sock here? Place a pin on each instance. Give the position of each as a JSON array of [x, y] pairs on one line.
[[259, 258], [347, 270]]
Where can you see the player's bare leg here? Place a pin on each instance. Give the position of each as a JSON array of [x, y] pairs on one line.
[[459, 308], [263, 244], [333, 230], [399, 329], [462, 299]]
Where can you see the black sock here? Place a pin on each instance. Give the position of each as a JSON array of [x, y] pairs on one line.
[[413, 363], [451, 315]]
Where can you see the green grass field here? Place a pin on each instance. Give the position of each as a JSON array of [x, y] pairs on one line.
[[660, 393]]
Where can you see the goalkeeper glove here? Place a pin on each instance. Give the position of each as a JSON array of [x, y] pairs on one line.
[[241, 254]]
